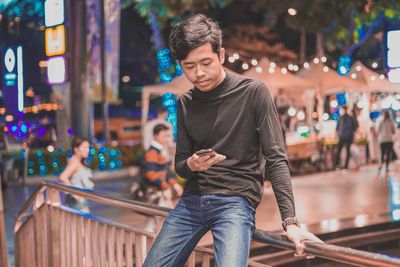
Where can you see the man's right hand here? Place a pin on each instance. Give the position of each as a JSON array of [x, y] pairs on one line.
[[202, 163]]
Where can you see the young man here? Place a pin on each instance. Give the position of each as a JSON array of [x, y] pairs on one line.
[[148, 133], [235, 117], [157, 168], [345, 129]]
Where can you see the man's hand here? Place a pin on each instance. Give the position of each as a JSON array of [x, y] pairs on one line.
[[203, 163], [297, 235]]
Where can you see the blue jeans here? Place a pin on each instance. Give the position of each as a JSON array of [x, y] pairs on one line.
[[230, 219]]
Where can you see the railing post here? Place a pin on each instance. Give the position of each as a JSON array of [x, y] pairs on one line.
[[53, 197], [3, 239]]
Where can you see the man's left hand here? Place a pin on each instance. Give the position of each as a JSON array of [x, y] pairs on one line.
[[297, 235]]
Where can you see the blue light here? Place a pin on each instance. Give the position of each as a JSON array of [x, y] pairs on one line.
[[344, 65], [92, 151], [112, 153], [30, 171], [55, 165], [112, 165], [23, 128], [30, 164], [118, 153], [14, 128], [41, 168], [119, 163], [39, 153]]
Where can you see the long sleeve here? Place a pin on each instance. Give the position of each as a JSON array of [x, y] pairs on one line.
[[273, 150], [184, 147]]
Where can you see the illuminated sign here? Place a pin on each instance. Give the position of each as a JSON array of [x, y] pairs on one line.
[[55, 41], [394, 75], [54, 12], [13, 81], [393, 55], [56, 70]]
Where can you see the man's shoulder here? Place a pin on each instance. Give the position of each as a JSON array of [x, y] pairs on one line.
[[249, 83], [187, 96]]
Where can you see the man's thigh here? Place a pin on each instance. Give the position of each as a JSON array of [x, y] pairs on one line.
[[232, 229], [181, 231]]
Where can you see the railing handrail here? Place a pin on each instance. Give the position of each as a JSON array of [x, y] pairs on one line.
[[136, 206], [327, 251]]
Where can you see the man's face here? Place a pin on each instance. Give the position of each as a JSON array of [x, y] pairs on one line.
[[203, 67], [163, 137]]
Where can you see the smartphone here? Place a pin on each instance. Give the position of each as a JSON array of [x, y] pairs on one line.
[[206, 152]]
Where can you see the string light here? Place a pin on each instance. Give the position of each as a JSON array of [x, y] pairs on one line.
[[353, 75], [323, 59], [236, 56], [292, 11], [271, 70], [373, 78], [258, 69], [358, 68], [306, 65], [374, 65], [296, 68], [272, 65], [325, 68], [301, 116], [284, 71], [245, 66], [292, 112], [382, 77], [231, 59], [316, 60], [325, 117], [254, 62]]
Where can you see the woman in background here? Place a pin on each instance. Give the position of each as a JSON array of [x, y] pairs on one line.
[[386, 130], [78, 174]]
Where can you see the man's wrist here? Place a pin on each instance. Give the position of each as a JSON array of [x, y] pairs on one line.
[[290, 221]]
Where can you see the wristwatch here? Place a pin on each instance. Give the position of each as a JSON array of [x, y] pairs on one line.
[[289, 221]]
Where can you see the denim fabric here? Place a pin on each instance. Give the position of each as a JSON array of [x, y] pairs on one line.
[[230, 219]]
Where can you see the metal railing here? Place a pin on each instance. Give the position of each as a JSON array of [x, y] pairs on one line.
[[50, 234]]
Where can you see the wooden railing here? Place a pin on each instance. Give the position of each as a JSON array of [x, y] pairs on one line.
[[3, 238], [49, 234]]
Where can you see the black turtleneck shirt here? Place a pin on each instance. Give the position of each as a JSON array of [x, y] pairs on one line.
[[237, 119]]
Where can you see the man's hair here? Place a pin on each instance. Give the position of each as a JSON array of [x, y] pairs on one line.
[[192, 33], [159, 128]]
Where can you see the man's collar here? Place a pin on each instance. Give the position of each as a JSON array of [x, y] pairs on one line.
[[157, 145]]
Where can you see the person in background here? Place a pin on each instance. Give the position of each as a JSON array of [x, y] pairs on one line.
[[169, 149], [157, 171], [282, 102], [386, 131], [345, 130], [77, 174]]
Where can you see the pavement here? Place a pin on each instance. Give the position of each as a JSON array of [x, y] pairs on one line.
[[325, 202]]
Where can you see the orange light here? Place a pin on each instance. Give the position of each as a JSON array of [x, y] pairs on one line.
[[5, 129], [55, 41]]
